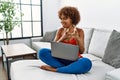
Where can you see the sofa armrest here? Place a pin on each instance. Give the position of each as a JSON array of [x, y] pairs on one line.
[[113, 75], [36, 39]]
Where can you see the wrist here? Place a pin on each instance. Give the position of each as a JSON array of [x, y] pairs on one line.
[[60, 40]]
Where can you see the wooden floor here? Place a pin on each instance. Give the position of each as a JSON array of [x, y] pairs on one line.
[[3, 75]]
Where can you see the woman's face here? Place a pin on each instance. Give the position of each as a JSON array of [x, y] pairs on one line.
[[66, 21]]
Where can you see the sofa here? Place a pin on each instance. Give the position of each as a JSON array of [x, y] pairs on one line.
[[96, 46]]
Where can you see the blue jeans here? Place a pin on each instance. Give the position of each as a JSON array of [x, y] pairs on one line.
[[80, 66]]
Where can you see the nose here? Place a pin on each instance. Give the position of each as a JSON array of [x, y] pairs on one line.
[[62, 20]]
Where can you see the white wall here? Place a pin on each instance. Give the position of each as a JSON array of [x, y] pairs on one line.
[[104, 14], [50, 15]]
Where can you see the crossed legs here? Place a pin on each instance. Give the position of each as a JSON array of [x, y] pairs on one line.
[[82, 65]]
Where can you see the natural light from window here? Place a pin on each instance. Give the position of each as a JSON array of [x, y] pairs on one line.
[[31, 21]]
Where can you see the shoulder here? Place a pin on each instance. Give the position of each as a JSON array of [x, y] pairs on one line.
[[80, 30], [60, 30]]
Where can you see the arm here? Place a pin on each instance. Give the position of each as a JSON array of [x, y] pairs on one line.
[[57, 36], [81, 41], [79, 36], [60, 35]]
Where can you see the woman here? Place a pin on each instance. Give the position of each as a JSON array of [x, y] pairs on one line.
[[70, 34]]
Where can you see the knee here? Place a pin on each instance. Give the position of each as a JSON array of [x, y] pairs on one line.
[[43, 52], [88, 63]]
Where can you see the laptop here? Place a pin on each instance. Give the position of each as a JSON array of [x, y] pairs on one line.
[[64, 51]]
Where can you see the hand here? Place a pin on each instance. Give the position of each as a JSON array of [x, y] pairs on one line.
[[65, 34], [76, 35]]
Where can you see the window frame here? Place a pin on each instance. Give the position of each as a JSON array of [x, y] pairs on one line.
[[31, 21]]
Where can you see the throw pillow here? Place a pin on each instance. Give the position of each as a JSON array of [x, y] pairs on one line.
[[112, 51], [49, 36]]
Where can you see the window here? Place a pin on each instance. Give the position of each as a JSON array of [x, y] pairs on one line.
[[31, 22]]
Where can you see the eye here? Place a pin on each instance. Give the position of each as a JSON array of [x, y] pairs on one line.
[[65, 18]]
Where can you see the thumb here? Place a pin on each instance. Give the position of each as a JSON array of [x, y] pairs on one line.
[[76, 32]]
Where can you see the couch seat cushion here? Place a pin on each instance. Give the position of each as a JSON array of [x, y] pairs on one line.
[[29, 70], [113, 75], [98, 71], [91, 57]]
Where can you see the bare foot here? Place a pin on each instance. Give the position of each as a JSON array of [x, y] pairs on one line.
[[48, 68]]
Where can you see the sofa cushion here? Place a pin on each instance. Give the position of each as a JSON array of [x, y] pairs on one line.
[[49, 36], [113, 75], [20, 70], [99, 42], [97, 72], [91, 57], [30, 70], [38, 45], [112, 52], [36, 39], [88, 34]]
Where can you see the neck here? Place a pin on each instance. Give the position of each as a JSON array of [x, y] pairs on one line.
[[71, 29]]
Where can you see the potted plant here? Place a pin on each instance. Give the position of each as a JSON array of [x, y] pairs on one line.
[[8, 18]]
